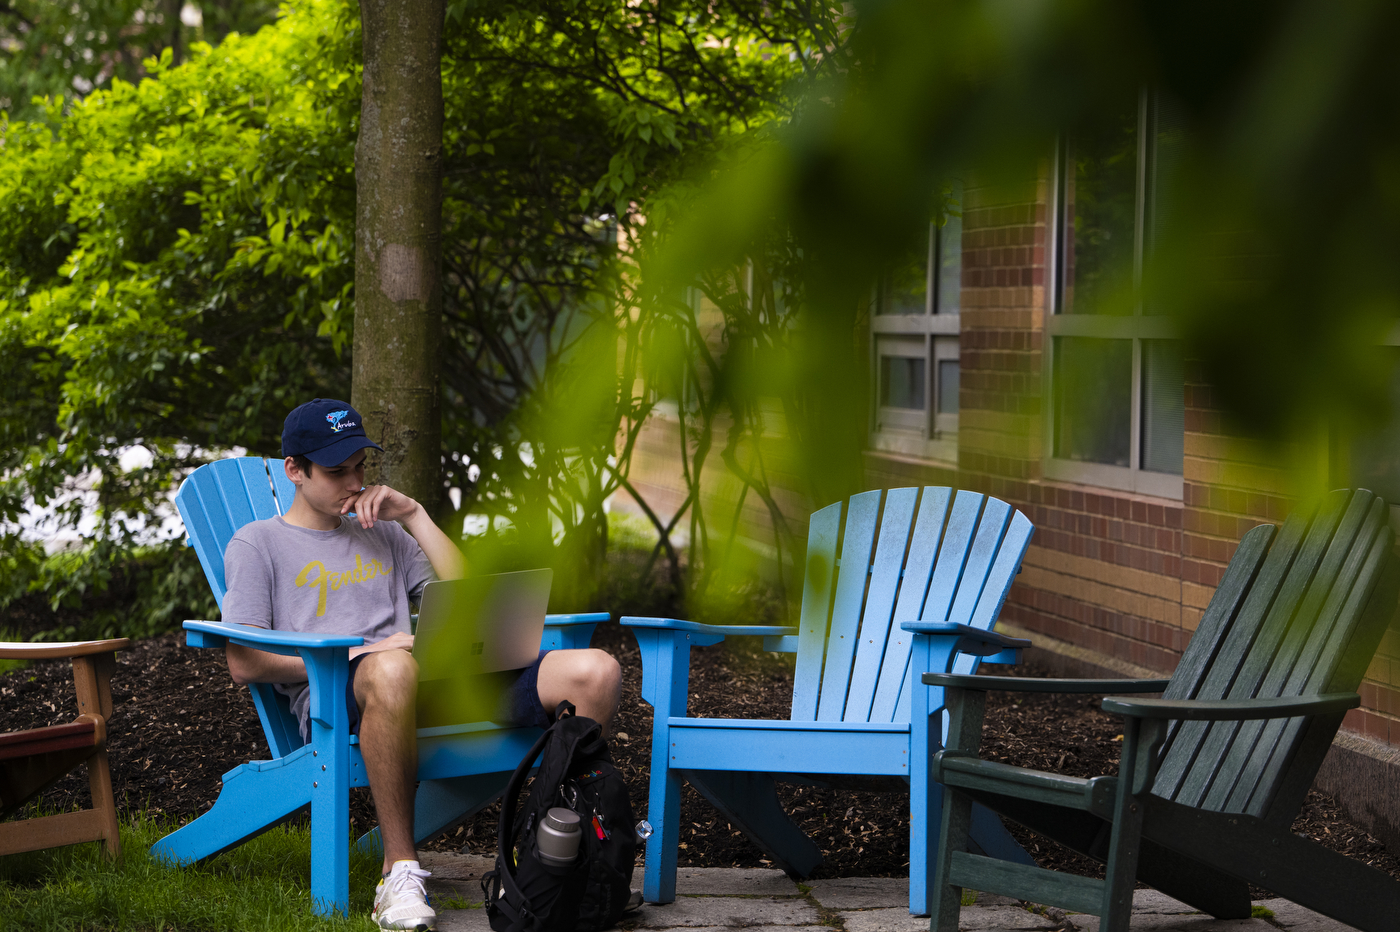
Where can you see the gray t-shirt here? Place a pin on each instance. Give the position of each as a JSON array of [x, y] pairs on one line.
[[346, 581]]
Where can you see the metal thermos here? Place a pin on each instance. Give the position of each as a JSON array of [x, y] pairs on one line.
[[558, 837]]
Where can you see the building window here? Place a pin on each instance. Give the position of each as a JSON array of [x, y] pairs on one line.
[[1116, 376], [914, 342]]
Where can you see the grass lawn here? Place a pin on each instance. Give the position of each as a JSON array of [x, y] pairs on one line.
[[262, 885]]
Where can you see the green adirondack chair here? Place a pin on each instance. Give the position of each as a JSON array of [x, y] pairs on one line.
[[1213, 773]]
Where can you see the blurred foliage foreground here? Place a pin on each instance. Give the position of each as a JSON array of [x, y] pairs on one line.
[[176, 274], [175, 255]]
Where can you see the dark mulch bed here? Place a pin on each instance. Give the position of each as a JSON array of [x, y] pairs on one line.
[[180, 723]]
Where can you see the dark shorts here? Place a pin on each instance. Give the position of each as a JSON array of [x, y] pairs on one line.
[[519, 704]]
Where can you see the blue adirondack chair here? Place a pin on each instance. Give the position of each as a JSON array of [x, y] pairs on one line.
[[929, 597], [461, 768]]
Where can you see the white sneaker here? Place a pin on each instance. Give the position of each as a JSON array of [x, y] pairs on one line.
[[400, 902]]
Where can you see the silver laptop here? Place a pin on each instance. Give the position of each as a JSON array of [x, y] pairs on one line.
[[473, 636]]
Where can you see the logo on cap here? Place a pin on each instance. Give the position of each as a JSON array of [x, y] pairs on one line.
[[335, 418]]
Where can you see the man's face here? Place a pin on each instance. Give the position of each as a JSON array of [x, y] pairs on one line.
[[327, 487]]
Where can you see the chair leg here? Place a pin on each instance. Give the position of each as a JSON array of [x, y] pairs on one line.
[[945, 900], [251, 802], [925, 802], [444, 804], [1120, 875], [990, 837], [664, 812], [441, 805], [750, 802], [103, 802]]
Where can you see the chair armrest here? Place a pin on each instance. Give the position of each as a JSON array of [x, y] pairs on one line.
[[565, 632], [327, 656], [586, 618], [289, 643], [56, 650], [1037, 685], [970, 640], [665, 644], [719, 632], [1231, 710]]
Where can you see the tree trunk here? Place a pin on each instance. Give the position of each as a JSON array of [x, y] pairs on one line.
[[398, 245], [172, 26]]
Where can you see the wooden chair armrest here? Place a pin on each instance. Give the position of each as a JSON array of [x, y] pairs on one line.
[[1231, 710], [1038, 685], [59, 650]]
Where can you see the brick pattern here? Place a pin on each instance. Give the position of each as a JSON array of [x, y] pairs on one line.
[[1003, 313], [1120, 591], [1379, 715], [1230, 486]]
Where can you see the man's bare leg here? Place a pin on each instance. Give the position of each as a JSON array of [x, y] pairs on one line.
[[386, 688], [590, 679]]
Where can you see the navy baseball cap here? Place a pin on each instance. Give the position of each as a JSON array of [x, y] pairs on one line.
[[325, 431]]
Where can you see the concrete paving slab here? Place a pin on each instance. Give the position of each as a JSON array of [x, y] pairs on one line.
[[1161, 917], [1297, 918], [456, 877], [696, 912], [449, 865], [1165, 923], [767, 901], [727, 881], [474, 920], [461, 893], [973, 919], [462, 920], [860, 892], [1153, 902]]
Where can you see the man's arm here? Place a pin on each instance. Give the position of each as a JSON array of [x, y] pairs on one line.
[[250, 665], [379, 502]]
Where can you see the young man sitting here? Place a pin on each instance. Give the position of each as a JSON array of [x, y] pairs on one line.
[[307, 571]]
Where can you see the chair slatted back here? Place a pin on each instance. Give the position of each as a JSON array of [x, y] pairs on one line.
[[215, 501], [219, 498], [1298, 618], [936, 556]]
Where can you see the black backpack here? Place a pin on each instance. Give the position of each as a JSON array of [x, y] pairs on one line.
[[576, 772]]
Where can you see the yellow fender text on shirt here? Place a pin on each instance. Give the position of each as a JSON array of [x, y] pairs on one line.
[[363, 572]]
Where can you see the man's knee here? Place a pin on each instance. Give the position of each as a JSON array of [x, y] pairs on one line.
[[387, 676], [598, 671], [588, 671]]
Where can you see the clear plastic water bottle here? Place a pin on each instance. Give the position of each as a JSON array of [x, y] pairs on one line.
[[644, 830]]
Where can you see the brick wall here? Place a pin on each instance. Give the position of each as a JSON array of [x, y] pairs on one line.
[[1122, 579]]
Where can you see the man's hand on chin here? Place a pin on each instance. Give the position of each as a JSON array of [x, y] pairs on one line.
[[379, 503]]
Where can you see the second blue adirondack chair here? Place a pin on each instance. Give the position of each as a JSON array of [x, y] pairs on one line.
[[461, 768], [926, 600]]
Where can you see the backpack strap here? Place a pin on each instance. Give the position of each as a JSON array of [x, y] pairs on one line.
[[506, 828]]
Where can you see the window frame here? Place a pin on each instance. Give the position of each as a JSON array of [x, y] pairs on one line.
[[1137, 327], [936, 436]]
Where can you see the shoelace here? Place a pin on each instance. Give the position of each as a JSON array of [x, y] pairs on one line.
[[405, 878]]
